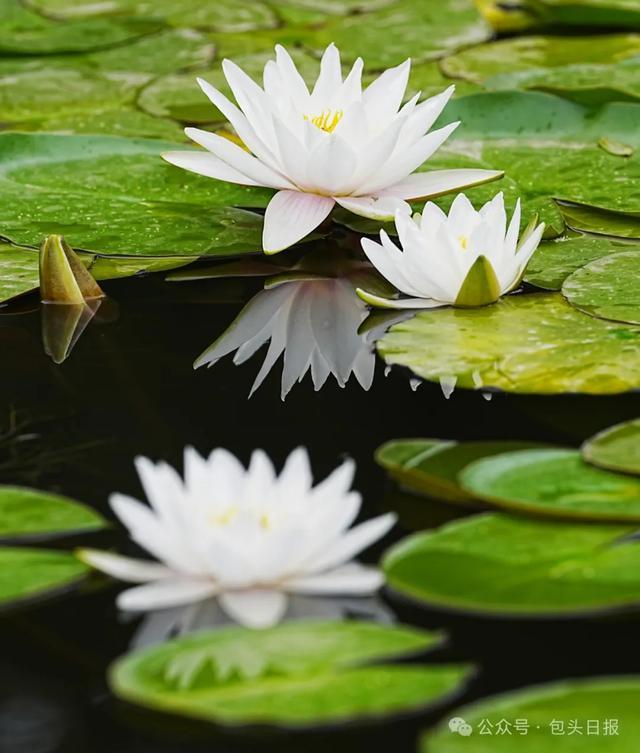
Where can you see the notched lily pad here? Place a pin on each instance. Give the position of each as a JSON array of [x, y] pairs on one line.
[[555, 569], [616, 448], [593, 700], [431, 466], [554, 483], [299, 674], [28, 575], [607, 288], [524, 343], [117, 196]]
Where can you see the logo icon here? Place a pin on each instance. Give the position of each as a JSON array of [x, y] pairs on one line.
[[458, 726]]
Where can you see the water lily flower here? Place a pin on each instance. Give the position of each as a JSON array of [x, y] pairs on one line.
[[245, 536], [468, 258], [333, 144]]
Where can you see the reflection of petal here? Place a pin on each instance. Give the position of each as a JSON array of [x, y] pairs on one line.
[[62, 325], [254, 609], [314, 322]]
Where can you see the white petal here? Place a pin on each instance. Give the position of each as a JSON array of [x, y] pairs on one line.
[[238, 158], [353, 542], [208, 165], [438, 182], [170, 592], [123, 568], [525, 252], [331, 165], [381, 208], [383, 97], [378, 301], [389, 260], [257, 609], [330, 79], [350, 579], [291, 216], [511, 239], [291, 77]]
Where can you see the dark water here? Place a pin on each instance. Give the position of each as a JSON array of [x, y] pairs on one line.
[[129, 388]]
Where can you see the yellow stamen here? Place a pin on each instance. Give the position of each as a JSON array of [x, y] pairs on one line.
[[327, 120], [464, 241], [224, 518]]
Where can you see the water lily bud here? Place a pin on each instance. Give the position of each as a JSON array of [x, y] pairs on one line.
[[63, 277]]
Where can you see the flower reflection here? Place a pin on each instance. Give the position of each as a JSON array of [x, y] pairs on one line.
[[314, 320], [163, 624]]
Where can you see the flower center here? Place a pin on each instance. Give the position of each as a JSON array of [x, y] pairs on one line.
[[464, 242], [327, 120]]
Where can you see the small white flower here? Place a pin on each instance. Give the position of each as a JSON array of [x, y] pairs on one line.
[[468, 258], [246, 536], [333, 144]]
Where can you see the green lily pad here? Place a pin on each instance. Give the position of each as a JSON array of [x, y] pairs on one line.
[[178, 96], [117, 196], [555, 260], [299, 674], [603, 713], [421, 31], [524, 343], [497, 565], [600, 221], [25, 33], [223, 15], [555, 483], [607, 288], [599, 13], [28, 575], [19, 272], [616, 448], [573, 67], [28, 514], [549, 147], [431, 466]]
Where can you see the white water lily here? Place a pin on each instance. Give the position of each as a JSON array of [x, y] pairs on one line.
[[333, 144], [245, 536], [468, 258]]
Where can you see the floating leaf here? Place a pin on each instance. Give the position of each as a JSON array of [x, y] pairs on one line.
[[600, 221], [556, 259], [555, 483], [431, 466], [117, 196], [32, 574], [584, 701], [29, 514], [572, 66], [617, 148], [548, 147], [223, 15], [297, 674], [607, 288], [616, 448], [554, 568], [524, 343], [405, 28], [598, 13], [25, 33]]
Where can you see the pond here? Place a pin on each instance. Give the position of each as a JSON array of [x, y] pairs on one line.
[[386, 452]]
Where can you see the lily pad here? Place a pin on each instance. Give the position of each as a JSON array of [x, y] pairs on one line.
[[28, 575], [555, 260], [299, 674], [607, 288], [524, 343], [223, 15], [555, 569], [421, 31], [28, 514], [573, 67], [600, 221], [117, 196], [599, 13], [548, 147], [431, 466], [178, 96], [584, 701], [616, 448], [554, 483], [25, 33]]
